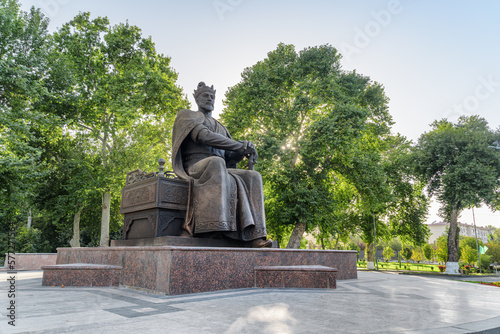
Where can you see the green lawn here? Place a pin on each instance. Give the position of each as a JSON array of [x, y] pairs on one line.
[[413, 267], [404, 266]]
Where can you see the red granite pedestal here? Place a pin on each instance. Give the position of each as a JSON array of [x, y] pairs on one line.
[[175, 270], [32, 261], [306, 277], [81, 274]]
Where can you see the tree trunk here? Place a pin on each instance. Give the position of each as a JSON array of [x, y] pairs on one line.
[[75, 241], [29, 219], [296, 237], [453, 240], [453, 236], [106, 205], [370, 258]]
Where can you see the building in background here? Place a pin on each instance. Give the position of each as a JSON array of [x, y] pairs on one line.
[[466, 230]]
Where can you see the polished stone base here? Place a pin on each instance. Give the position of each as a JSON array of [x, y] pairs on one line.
[[306, 277], [31, 261], [81, 274], [180, 270]]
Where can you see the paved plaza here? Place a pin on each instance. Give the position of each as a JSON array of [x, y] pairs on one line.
[[376, 302]]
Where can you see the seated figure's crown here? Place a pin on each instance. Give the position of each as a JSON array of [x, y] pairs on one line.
[[203, 88]]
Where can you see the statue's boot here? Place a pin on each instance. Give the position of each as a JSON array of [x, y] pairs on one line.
[[261, 243]]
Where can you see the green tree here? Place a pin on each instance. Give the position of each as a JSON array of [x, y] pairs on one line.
[[495, 236], [468, 254], [471, 241], [417, 255], [388, 253], [23, 63], [485, 261], [29, 240], [305, 112], [118, 98], [493, 251], [441, 250], [408, 207], [387, 192], [427, 249], [325, 146], [396, 245], [65, 191], [406, 253], [459, 169], [24, 45]]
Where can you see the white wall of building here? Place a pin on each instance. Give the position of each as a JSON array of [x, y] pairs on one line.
[[466, 230]]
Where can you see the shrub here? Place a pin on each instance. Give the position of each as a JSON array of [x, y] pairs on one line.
[[29, 240], [441, 268], [406, 253], [485, 261], [468, 254], [432, 268], [427, 249], [388, 253]]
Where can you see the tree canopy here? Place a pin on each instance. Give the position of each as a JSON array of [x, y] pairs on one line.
[[23, 64], [459, 169], [79, 108], [324, 138], [117, 97]]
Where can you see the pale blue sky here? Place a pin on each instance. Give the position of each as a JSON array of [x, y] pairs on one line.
[[436, 59]]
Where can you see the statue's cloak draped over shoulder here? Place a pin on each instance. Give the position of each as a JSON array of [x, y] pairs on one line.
[[185, 121], [220, 199]]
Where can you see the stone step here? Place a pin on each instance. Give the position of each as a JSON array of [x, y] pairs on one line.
[[81, 274], [302, 276]]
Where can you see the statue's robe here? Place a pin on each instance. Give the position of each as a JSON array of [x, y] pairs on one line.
[[223, 199]]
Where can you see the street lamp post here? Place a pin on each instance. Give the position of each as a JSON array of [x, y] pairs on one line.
[[496, 147], [477, 243], [375, 241]]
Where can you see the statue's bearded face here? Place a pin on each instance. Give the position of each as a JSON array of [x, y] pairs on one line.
[[206, 101]]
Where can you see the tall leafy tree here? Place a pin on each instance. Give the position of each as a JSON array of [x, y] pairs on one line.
[[388, 253], [386, 199], [427, 249], [303, 112], [493, 251], [408, 208], [460, 171], [24, 45], [468, 254], [441, 250], [117, 95], [69, 181]]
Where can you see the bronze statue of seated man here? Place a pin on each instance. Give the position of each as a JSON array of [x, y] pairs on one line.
[[222, 199]]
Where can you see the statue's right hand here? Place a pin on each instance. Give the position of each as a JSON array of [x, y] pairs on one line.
[[244, 149], [247, 149], [250, 148]]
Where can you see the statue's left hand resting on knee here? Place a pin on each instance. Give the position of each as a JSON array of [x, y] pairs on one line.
[[222, 199]]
